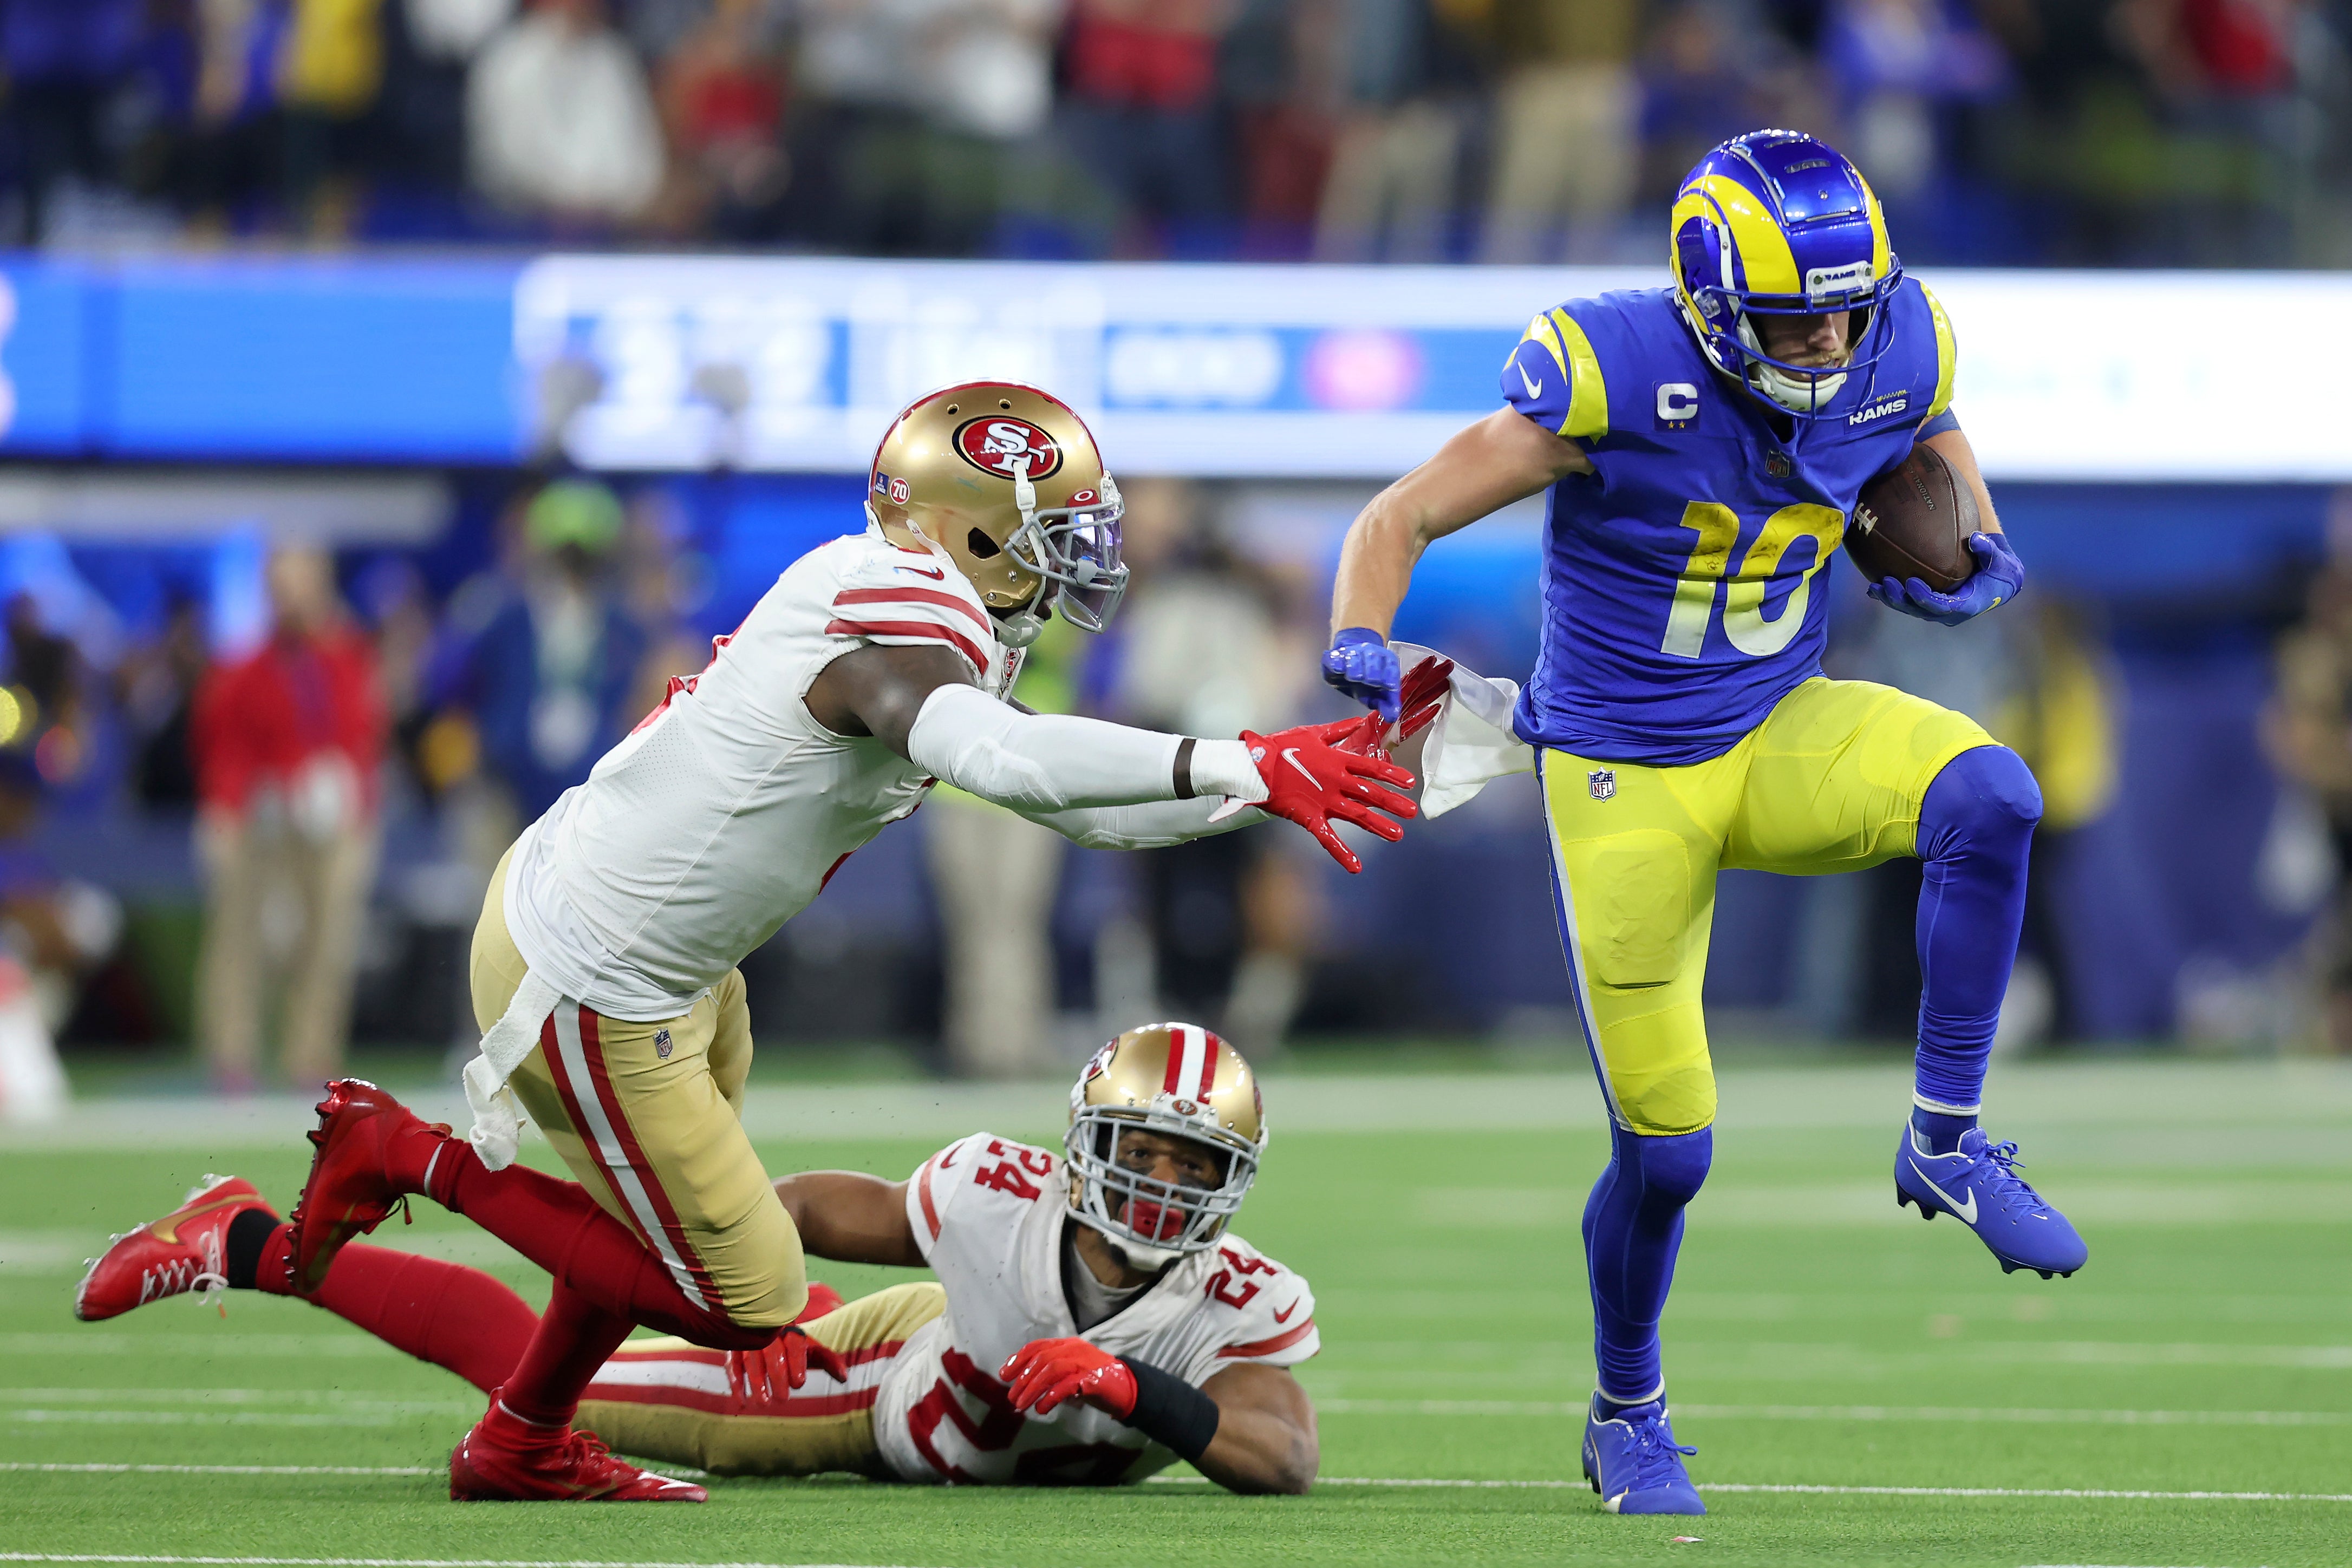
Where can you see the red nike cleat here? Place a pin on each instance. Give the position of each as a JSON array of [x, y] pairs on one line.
[[184, 1251], [506, 1458], [351, 1187]]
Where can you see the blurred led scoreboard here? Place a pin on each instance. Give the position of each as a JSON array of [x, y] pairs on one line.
[[794, 364]]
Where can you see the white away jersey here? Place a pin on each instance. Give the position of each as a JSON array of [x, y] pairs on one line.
[[989, 1214], [723, 814]]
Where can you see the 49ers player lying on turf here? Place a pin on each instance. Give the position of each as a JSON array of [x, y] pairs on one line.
[[603, 963], [1094, 1319]]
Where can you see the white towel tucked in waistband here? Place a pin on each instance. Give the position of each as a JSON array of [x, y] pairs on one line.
[[497, 1120]]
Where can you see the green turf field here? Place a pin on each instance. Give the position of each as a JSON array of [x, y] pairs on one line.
[[1862, 1387]]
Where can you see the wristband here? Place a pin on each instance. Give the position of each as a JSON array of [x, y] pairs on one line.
[[1185, 790], [1170, 1411]]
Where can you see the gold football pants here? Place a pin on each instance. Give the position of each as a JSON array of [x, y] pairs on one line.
[[1832, 780], [647, 1116], [667, 1400]]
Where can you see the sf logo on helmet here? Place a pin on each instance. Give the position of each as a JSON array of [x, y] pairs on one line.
[[1000, 445]]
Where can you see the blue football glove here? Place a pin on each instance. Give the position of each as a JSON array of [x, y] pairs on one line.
[[2000, 576], [1363, 665]]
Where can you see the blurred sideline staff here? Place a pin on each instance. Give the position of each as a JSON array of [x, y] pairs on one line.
[[1210, 643], [288, 741]]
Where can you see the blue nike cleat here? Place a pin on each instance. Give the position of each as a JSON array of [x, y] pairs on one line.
[[1633, 1462], [1978, 1186]]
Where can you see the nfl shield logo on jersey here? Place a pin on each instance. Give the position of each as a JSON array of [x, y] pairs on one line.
[[661, 1043], [1603, 782]]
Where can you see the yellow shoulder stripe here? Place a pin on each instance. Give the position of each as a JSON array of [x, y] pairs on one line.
[[1540, 330], [1588, 402], [1948, 353]]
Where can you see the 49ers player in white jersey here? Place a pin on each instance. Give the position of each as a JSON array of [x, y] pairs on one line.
[[1093, 1321], [603, 963]]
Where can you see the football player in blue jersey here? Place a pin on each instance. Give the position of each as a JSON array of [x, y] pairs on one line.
[[1703, 446]]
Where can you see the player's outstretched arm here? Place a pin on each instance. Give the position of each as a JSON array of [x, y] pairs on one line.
[[1266, 1439], [1505, 457], [851, 1217], [1248, 1429], [920, 702]]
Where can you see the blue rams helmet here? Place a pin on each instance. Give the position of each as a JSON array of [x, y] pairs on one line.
[[1777, 222]]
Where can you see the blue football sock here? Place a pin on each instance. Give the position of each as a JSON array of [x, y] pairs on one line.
[[1938, 1130], [1633, 1228], [1975, 830]]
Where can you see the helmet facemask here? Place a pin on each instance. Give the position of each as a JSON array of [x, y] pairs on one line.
[[1074, 548], [1153, 1222]]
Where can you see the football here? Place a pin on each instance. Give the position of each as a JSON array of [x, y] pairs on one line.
[[1916, 522]]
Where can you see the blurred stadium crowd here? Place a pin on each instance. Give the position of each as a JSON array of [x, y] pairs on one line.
[[2198, 132], [283, 830], [253, 793]]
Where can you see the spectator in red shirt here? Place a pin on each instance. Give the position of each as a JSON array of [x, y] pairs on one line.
[[1142, 107], [287, 743]]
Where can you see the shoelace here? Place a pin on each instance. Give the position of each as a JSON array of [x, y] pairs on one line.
[[1654, 1453], [2001, 1175]]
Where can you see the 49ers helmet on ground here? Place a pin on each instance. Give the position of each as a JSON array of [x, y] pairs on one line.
[[1007, 481], [1179, 1080]]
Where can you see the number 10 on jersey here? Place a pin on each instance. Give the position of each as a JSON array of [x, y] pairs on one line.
[[1717, 527]]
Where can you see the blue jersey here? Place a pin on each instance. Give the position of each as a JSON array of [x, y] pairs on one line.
[[1682, 592]]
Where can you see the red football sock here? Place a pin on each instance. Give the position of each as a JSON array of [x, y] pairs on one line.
[[559, 1227], [575, 1339], [455, 1317]]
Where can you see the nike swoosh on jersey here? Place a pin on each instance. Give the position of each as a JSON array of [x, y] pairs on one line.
[[937, 574], [1290, 755], [1535, 388], [1284, 1316], [1966, 1215]]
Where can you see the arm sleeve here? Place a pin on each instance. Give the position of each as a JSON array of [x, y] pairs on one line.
[[1943, 422], [1050, 762], [1147, 827]]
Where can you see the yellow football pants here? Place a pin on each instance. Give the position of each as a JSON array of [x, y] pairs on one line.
[[1832, 780], [664, 1399], [647, 1116]]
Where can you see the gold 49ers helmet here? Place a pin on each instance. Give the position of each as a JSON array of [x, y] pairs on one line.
[[1179, 1080], [1007, 481]]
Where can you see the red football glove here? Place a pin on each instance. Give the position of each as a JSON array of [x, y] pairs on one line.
[[787, 1358], [1420, 699], [1312, 774], [1047, 1372]]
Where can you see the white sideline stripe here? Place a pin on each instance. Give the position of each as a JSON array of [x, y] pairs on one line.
[[1549, 1484], [1448, 1484], [38, 1467], [325, 1419], [1575, 1408], [336, 1396], [386, 1562]]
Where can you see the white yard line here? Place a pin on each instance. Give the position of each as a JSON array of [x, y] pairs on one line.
[[1543, 1484], [142, 1395], [1550, 1484], [2233, 1097], [40, 1468], [384, 1562], [324, 1420], [1926, 1412]]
